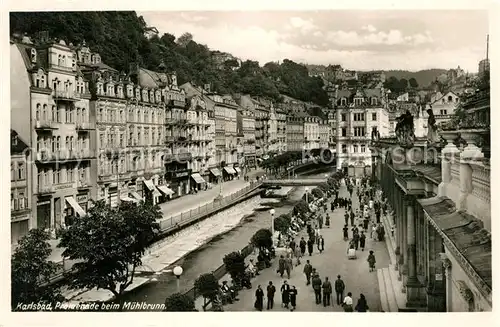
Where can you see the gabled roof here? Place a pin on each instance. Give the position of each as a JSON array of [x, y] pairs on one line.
[[150, 79], [17, 145]]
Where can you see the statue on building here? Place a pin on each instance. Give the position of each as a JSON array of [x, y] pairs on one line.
[[405, 129], [432, 129]]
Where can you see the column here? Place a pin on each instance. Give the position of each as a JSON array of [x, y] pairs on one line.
[[413, 285], [436, 296], [447, 154], [465, 184], [448, 282]]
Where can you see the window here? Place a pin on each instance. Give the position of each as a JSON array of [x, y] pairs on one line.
[[344, 132], [343, 117], [374, 116], [359, 117], [363, 148], [101, 140], [54, 113], [12, 172], [58, 115], [70, 174], [38, 111], [20, 171], [343, 101], [58, 143], [450, 98], [443, 112], [354, 148], [344, 148], [374, 101], [33, 55]]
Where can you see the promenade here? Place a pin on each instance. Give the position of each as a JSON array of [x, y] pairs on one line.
[[332, 262]]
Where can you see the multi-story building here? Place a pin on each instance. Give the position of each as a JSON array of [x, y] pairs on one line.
[[359, 113], [272, 131], [261, 116], [295, 132], [212, 171], [20, 188], [281, 130], [248, 125], [50, 111], [332, 134], [240, 138], [311, 132], [324, 134]]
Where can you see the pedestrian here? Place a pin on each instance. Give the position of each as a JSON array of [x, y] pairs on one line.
[[293, 297], [320, 221], [307, 271], [327, 292], [302, 246], [346, 232], [281, 265], [317, 284], [352, 218], [362, 240], [332, 206], [346, 218], [285, 294], [347, 303], [355, 239], [271, 289], [374, 232], [371, 261], [292, 245], [310, 244], [288, 265], [259, 298], [327, 221], [362, 306], [321, 244], [339, 289], [298, 255]]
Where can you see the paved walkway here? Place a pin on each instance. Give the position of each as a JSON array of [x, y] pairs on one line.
[[330, 263]]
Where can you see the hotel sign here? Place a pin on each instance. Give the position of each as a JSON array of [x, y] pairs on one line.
[[63, 186], [82, 198]]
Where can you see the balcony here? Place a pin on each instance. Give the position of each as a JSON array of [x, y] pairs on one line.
[[170, 139], [183, 156], [177, 104], [198, 155], [190, 123], [66, 96], [18, 183], [45, 125], [202, 122], [106, 177], [45, 189], [360, 138], [83, 185], [83, 126]]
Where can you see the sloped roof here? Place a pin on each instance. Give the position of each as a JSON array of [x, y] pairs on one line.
[[465, 232], [17, 145], [373, 93], [150, 79]]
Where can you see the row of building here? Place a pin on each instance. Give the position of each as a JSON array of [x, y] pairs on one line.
[[82, 130]]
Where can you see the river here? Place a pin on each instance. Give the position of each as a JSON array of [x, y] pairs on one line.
[[240, 222]]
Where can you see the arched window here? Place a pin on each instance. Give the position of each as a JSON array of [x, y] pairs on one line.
[[38, 111], [54, 113], [54, 144], [33, 55], [59, 60], [450, 98], [84, 115], [44, 112], [58, 143], [78, 115]]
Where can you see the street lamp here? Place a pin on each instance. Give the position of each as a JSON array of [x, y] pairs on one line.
[[178, 272], [272, 223]]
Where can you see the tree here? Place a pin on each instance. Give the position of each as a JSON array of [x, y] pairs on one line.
[[403, 84], [178, 302], [184, 39], [235, 265], [207, 286], [31, 271], [301, 207], [282, 223], [317, 193], [262, 239], [413, 83], [108, 244]]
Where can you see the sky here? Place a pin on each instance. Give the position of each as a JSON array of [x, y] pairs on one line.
[[356, 39]]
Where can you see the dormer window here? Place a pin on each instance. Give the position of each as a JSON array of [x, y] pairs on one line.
[[119, 91], [374, 101], [63, 61], [358, 101], [145, 96], [137, 94], [152, 96], [110, 90], [130, 91], [59, 60], [343, 101], [33, 56], [100, 89]]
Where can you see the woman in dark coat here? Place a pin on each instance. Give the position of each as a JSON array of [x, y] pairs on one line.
[[332, 206], [362, 239], [371, 261], [361, 306], [259, 298], [327, 221], [293, 297], [346, 232], [285, 294]]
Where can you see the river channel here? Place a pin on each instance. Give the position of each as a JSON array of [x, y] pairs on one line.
[[237, 225]]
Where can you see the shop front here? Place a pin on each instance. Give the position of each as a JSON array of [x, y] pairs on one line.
[[152, 194], [82, 198], [72, 210], [229, 173], [180, 182], [199, 183], [19, 225], [43, 213], [237, 170], [215, 175], [166, 192], [133, 193]]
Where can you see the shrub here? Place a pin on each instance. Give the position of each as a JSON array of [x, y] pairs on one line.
[[235, 265], [207, 286], [301, 207], [262, 238], [282, 223], [317, 193], [179, 302]]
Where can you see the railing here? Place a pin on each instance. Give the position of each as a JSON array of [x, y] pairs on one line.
[[206, 209], [66, 95], [45, 124]]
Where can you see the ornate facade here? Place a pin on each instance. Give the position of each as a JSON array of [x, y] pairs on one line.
[[441, 249]]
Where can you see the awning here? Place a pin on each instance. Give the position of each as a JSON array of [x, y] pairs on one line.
[[72, 202], [238, 170], [150, 185], [197, 178], [126, 198], [230, 170], [156, 193], [215, 172], [165, 190], [136, 196]]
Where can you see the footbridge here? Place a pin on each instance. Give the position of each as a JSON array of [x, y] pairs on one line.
[[293, 182]]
